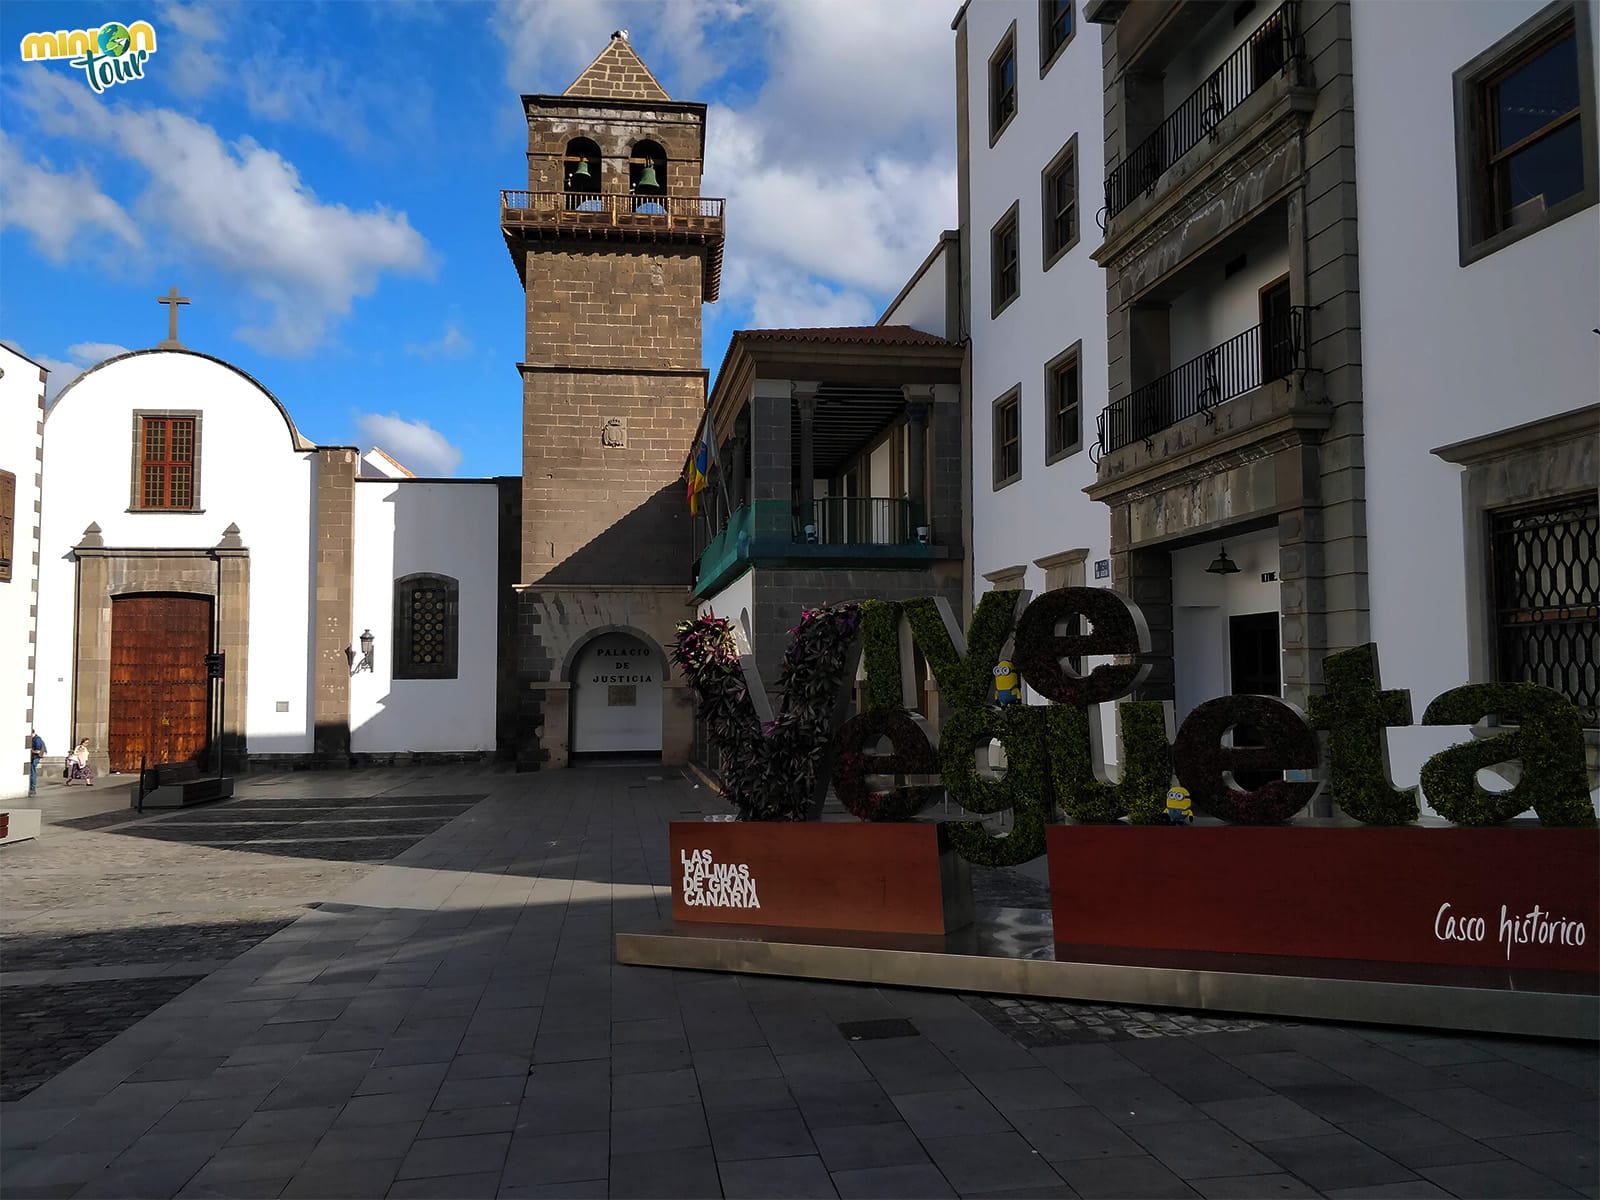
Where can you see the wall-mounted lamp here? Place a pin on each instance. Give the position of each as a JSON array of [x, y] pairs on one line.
[[923, 535], [1223, 564], [364, 663]]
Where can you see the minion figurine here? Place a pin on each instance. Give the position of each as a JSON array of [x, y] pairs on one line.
[[1007, 686], [1178, 806]]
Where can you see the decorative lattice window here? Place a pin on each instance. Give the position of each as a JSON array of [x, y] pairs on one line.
[[427, 627], [1546, 568]]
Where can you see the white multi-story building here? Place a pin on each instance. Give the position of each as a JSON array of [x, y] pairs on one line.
[[1349, 266], [1028, 140], [1476, 174], [22, 383]]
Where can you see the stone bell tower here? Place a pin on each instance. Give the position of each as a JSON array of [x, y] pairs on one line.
[[617, 250]]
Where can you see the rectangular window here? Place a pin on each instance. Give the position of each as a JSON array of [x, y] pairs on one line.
[[8, 522], [1008, 438], [1545, 563], [1064, 405], [1059, 203], [1005, 280], [166, 462], [1525, 136], [1055, 30], [1003, 84]]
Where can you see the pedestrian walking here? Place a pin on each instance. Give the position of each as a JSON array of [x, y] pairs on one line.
[[35, 753]]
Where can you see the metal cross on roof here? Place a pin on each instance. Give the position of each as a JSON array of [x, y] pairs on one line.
[[172, 300]]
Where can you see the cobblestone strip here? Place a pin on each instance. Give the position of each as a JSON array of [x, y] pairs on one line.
[[47, 1029]]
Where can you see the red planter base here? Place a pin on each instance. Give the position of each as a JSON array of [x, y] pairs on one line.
[[859, 876], [1511, 898]]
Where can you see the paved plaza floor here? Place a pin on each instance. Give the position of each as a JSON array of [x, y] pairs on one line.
[[396, 983]]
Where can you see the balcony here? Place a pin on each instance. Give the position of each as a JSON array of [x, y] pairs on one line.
[[1265, 54], [1243, 363], [616, 216], [840, 531]]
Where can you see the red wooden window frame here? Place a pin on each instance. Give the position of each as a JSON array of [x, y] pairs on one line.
[[166, 462]]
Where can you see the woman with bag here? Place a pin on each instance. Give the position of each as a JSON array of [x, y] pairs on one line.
[[78, 765]]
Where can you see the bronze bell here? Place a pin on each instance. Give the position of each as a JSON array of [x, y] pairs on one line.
[[581, 171], [647, 177]]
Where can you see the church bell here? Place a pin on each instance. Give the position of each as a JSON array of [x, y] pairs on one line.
[[581, 171], [647, 177]]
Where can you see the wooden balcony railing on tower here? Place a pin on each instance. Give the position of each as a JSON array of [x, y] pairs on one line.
[[530, 217], [621, 209]]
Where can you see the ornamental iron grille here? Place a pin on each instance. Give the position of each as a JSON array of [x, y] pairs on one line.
[[1546, 572], [426, 627]]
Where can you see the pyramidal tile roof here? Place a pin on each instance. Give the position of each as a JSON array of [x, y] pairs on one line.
[[618, 74]]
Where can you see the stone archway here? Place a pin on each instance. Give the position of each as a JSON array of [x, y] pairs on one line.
[[616, 680]]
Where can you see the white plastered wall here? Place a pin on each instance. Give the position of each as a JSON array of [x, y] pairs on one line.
[[250, 474], [1449, 353], [20, 391], [406, 527]]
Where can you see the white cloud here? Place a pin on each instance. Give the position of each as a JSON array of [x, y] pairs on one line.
[[244, 209], [83, 355], [61, 373], [415, 444], [453, 344], [189, 36], [548, 42], [58, 207], [208, 46], [90, 353]]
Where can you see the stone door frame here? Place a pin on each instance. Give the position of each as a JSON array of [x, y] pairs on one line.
[[220, 573]]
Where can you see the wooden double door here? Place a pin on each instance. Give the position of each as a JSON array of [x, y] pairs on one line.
[[160, 693]]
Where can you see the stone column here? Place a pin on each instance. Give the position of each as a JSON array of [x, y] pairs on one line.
[[919, 399], [233, 639], [555, 730], [741, 466], [805, 395], [770, 441], [335, 570], [91, 693]]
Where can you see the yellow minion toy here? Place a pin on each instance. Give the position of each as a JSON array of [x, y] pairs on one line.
[[1007, 686], [1178, 807]]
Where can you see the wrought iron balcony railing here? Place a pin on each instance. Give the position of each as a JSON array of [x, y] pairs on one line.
[[1269, 351], [852, 520], [1264, 54]]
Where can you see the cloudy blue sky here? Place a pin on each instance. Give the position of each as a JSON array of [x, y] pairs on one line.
[[322, 179]]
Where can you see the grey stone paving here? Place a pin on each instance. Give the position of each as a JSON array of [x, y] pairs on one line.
[[454, 1024]]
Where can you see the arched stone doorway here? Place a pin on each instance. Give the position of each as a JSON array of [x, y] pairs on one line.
[[616, 696]]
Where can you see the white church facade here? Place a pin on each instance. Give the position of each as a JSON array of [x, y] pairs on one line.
[[231, 534]]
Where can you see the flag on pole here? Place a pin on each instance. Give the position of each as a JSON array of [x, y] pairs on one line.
[[699, 467]]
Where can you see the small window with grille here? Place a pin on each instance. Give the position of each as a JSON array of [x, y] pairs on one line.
[[427, 609], [1546, 579], [166, 461]]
